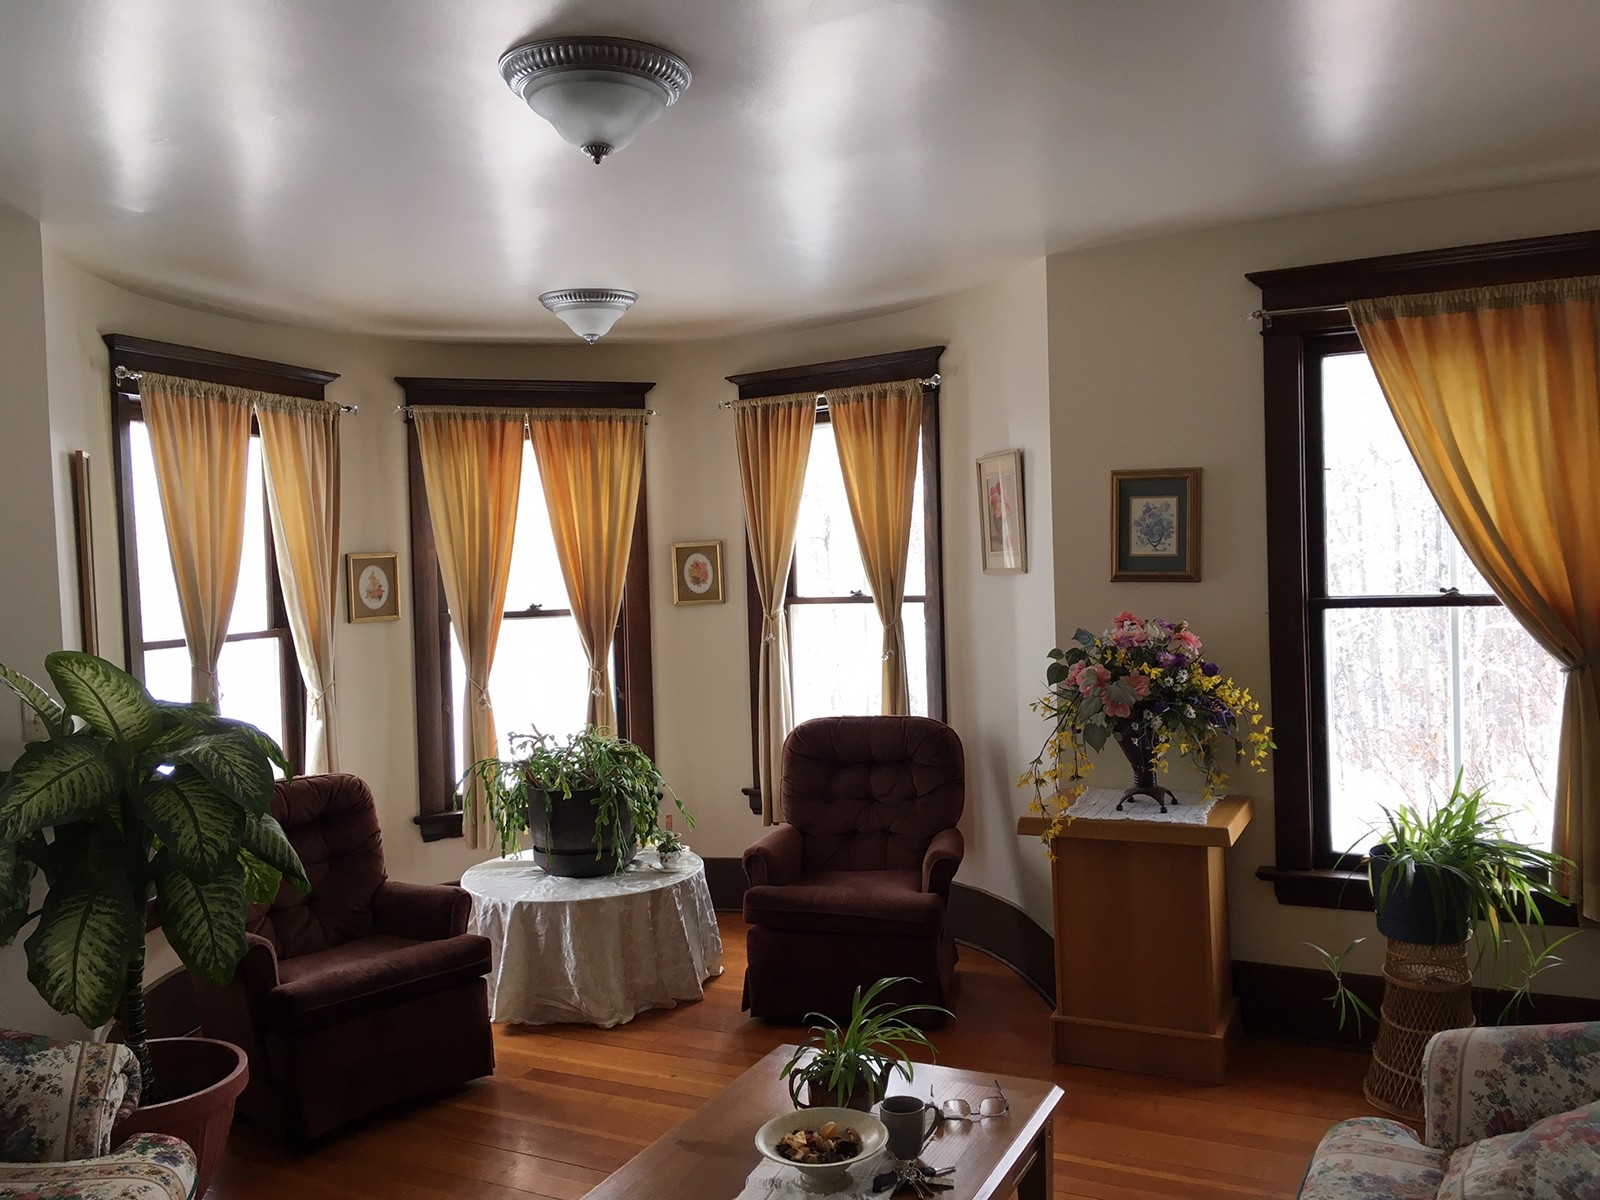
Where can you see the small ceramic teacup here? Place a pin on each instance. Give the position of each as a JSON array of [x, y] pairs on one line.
[[908, 1120]]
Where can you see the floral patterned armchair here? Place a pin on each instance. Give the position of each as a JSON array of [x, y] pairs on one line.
[[1513, 1111], [58, 1102]]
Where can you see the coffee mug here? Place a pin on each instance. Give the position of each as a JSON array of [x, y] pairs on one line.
[[908, 1120]]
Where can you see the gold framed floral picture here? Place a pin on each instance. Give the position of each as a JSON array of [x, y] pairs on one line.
[[372, 587], [697, 573], [1155, 525]]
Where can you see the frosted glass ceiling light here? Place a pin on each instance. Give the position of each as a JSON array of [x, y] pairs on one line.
[[598, 92], [589, 312]]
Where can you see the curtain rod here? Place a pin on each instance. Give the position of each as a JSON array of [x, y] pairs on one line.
[[122, 373], [932, 381], [1265, 315]]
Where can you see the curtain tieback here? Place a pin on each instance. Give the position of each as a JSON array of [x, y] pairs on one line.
[[597, 682], [483, 692], [769, 625], [1586, 661], [319, 698]]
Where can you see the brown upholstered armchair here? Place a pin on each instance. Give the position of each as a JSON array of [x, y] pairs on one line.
[[854, 886], [363, 993]]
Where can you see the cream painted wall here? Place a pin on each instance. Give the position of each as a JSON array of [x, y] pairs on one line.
[[1151, 365]]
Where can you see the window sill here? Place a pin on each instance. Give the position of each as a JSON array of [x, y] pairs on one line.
[[436, 827], [753, 794], [1319, 888]]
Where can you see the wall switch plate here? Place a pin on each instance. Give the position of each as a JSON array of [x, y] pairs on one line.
[[666, 821], [33, 729]]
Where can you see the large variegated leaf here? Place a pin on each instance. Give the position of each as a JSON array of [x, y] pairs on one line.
[[113, 703], [261, 880], [265, 838], [233, 762], [55, 717], [67, 779], [194, 820], [203, 717], [78, 956], [16, 891], [203, 921]]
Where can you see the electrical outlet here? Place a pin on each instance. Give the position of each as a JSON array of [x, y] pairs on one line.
[[33, 729], [666, 822]]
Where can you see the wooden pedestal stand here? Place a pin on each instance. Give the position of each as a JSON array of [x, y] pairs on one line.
[[1143, 973], [1426, 989]]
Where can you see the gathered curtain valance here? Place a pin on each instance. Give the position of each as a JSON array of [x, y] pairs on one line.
[[222, 393]]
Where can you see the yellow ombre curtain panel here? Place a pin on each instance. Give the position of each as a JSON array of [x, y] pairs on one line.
[[300, 453], [472, 473], [1497, 392], [877, 430], [773, 436], [591, 462], [200, 439]]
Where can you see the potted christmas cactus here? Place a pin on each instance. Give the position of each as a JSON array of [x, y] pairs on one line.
[[132, 803], [1146, 685]]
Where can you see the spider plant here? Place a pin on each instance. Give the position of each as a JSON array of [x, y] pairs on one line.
[[1344, 1001], [844, 1060]]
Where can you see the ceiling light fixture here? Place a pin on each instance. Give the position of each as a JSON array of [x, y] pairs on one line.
[[598, 92], [589, 312]]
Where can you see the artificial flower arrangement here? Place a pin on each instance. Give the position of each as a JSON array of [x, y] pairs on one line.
[[1146, 684]]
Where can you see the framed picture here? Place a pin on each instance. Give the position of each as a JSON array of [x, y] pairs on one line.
[[697, 573], [372, 587], [83, 530], [1002, 521], [1155, 525]]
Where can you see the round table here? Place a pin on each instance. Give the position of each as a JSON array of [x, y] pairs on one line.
[[596, 951]]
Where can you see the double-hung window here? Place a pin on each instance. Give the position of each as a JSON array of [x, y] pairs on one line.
[[539, 679], [1394, 666], [258, 673]]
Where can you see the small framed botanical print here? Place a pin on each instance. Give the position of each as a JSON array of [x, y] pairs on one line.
[[372, 587], [1002, 521], [697, 573], [1155, 525]]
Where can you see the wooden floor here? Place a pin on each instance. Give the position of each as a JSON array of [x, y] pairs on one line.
[[570, 1104]]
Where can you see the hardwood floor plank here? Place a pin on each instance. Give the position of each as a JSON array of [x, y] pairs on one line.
[[570, 1104]]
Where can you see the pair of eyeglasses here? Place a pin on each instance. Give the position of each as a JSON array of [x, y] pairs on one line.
[[960, 1109]]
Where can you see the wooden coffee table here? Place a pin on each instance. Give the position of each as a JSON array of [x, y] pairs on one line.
[[709, 1155]]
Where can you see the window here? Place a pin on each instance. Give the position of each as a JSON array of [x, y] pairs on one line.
[[835, 637], [1392, 662], [540, 676], [258, 672]]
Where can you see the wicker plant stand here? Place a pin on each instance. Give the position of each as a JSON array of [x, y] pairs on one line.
[[1426, 989]]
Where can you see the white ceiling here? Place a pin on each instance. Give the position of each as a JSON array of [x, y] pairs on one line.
[[358, 164]]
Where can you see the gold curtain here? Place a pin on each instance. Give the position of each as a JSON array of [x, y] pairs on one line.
[[472, 472], [1497, 391], [590, 464], [877, 430], [774, 442], [200, 438], [300, 452]]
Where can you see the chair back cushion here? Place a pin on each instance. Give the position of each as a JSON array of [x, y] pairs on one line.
[[869, 793], [60, 1099], [332, 823]]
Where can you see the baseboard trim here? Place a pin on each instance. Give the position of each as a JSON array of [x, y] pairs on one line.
[[978, 919], [1291, 1003]]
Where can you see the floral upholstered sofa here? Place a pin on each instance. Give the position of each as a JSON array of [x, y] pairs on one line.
[[58, 1103], [1511, 1112]]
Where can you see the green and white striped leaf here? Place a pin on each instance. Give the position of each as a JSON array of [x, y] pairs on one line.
[[55, 717], [264, 838], [261, 879], [113, 703], [203, 921], [233, 762], [51, 783], [205, 719], [78, 956], [16, 891], [195, 822]]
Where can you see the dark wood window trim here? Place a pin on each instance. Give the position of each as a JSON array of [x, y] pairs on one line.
[[1293, 342], [435, 704], [232, 370], [922, 363]]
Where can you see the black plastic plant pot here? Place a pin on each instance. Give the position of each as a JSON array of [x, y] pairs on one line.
[[1415, 916], [563, 833]]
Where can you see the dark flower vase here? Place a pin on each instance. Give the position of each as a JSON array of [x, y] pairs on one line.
[[1141, 753]]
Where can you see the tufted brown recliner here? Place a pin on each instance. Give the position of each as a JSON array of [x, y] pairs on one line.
[[360, 994], [854, 886]]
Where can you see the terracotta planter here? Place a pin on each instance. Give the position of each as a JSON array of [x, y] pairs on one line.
[[203, 1077], [861, 1099], [562, 830]]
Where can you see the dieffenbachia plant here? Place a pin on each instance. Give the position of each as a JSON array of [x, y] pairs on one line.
[[131, 800]]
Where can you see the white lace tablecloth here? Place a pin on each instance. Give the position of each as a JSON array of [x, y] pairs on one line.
[[596, 951], [1100, 804]]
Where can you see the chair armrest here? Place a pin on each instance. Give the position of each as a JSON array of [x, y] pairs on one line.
[[1481, 1082], [258, 969], [63, 1123], [776, 858], [428, 911], [940, 862]]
